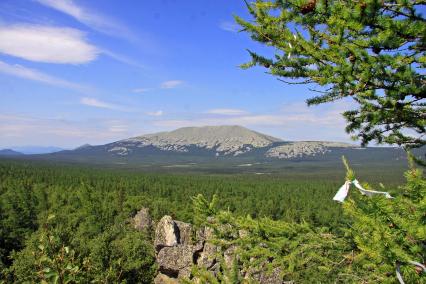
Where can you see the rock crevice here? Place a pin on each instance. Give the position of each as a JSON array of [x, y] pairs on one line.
[[179, 248]]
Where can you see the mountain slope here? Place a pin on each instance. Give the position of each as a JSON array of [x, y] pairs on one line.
[[225, 140], [10, 152], [304, 148]]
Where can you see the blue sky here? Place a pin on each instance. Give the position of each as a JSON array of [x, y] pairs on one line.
[[75, 72]]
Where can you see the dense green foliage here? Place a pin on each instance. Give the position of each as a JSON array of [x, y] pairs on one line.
[[90, 236], [91, 206], [381, 234], [302, 253], [372, 51], [386, 232]]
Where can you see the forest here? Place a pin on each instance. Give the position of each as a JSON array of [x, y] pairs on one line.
[[74, 221]]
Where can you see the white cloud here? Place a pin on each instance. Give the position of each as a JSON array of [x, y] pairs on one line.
[[95, 21], [46, 44], [118, 128], [141, 90], [171, 84], [155, 113], [164, 85], [293, 122], [99, 104], [229, 26], [34, 75], [226, 111], [299, 120], [121, 58], [15, 130]]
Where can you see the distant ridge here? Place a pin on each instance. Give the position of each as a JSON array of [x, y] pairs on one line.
[[84, 146], [189, 147], [34, 150], [10, 152]]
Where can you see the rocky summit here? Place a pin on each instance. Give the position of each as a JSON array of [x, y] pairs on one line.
[[224, 140]]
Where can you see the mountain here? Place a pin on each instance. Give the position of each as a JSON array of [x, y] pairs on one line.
[[224, 140], [33, 150], [10, 152], [83, 146], [210, 144], [220, 141], [227, 149], [210, 141]]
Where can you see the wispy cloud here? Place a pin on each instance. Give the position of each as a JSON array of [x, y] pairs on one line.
[[141, 90], [46, 44], [164, 85], [93, 20], [68, 133], [255, 120], [35, 75], [171, 84], [226, 111], [293, 122], [99, 104], [121, 58], [118, 128], [229, 26], [155, 113]]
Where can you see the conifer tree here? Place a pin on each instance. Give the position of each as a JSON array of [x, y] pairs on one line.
[[389, 234], [373, 51]]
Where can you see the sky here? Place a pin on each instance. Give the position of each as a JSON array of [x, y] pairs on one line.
[[74, 72]]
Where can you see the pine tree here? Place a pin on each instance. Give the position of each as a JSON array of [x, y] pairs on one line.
[[389, 233], [372, 51], [251, 250], [381, 236]]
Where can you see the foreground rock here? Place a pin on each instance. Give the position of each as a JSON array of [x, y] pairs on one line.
[[179, 248], [164, 279], [173, 243], [166, 233], [176, 261], [176, 251], [142, 220]]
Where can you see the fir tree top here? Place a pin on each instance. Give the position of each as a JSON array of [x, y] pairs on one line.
[[370, 50]]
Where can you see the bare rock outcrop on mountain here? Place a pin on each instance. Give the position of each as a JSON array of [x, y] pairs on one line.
[[304, 148], [225, 140]]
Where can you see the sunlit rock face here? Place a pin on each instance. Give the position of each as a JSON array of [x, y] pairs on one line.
[[180, 248], [301, 149], [225, 140]]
